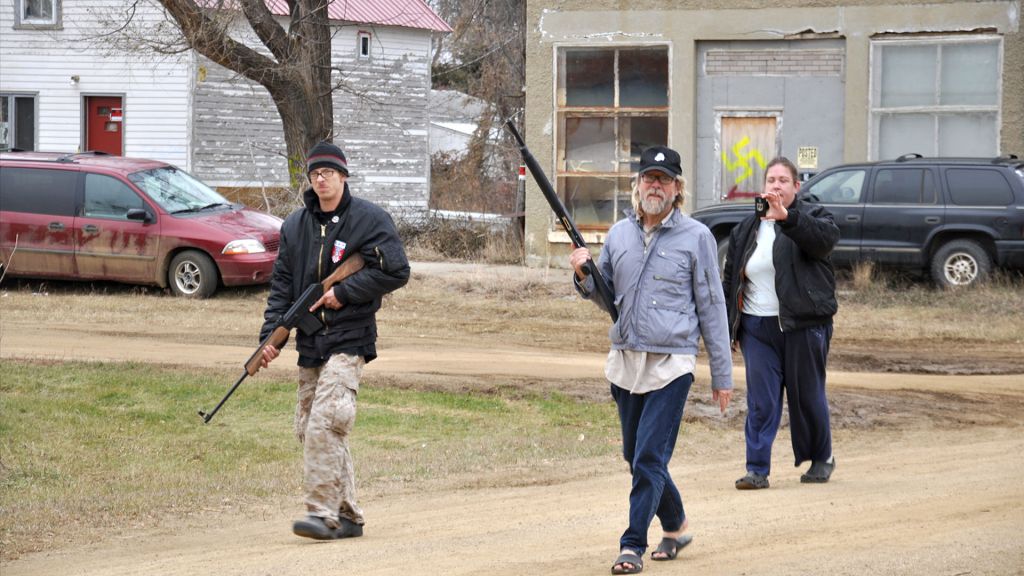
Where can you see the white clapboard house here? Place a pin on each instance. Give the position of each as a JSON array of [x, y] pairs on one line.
[[72, 80]]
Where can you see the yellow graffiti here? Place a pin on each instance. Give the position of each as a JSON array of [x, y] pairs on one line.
[[741, 160]]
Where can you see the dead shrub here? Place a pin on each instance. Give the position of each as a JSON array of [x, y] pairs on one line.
[[472, 183], [279, 201], [435, 237]]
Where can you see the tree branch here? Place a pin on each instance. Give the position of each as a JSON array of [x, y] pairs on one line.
[[202, 33], [266, 27]]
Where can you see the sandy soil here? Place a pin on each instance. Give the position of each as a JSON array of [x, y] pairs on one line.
[[928, 481]]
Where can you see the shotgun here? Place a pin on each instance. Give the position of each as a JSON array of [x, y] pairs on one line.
[[604, 293], [298, 316]]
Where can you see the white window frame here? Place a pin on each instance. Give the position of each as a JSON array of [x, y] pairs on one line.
[[12, 117], [53, 23], [364, 39], [876, 111], [560, 113]]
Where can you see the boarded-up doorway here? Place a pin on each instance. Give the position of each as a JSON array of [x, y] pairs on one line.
[[747, 141]]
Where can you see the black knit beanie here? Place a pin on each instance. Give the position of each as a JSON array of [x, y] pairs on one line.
[[326, 155]]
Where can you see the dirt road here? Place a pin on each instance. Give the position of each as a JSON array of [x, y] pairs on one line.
[[928, 482]]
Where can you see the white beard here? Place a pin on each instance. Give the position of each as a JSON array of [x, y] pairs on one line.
[[653, 206]]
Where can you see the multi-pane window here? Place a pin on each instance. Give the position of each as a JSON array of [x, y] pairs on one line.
[[936, 97], [611, 104], [17, 122], [37, 13]]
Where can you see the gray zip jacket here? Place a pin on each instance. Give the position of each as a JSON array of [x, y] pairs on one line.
[[668, 295]]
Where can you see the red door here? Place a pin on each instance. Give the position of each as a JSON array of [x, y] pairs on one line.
[[104, 124]]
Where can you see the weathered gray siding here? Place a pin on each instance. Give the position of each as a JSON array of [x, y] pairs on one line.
[[380, 114]]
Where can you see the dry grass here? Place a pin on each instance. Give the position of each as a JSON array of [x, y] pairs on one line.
[[862, 277], [889, 307], [524, 306]]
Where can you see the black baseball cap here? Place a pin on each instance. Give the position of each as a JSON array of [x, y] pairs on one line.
[[660, 158]]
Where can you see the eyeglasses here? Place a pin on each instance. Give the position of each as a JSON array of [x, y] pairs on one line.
[[326, 174], [651, 178]]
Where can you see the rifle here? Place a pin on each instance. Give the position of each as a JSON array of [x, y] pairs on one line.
[[604, 293], [298, 316]]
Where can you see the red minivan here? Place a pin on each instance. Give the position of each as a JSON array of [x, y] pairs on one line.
[[91, 216]]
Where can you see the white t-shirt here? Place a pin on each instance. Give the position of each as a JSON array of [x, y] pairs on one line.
[[759, 298]]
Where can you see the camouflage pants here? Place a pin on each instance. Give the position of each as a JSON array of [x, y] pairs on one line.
[[324, 417]]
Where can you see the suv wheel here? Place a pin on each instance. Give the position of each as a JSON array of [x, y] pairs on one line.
[[723, 253], [960, 263], [192, 274]]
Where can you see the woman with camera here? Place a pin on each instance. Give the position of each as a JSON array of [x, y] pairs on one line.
[[780, 296]]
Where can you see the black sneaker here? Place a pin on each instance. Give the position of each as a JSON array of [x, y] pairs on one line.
[[819, 472], [348, 529], [752, 481], [313, 527]]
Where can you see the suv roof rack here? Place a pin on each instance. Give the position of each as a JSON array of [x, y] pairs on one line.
[[911, 156], [73, 155], [1005, 158]]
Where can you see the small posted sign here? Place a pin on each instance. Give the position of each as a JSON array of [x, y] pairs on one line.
[[807, 157]]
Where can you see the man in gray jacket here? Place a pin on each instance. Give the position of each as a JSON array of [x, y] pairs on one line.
[[661, 266]]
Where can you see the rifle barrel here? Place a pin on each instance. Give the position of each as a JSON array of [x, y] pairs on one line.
[[604, 293], [207, 416]]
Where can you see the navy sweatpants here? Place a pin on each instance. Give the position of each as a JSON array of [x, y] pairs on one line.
[[794, 362]]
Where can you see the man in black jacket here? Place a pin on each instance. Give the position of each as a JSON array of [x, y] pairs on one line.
[[781, 296], [315, 239]]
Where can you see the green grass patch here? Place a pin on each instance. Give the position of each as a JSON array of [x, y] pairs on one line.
[[92, 445]]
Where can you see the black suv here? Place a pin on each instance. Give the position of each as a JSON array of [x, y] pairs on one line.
[[957, 217]]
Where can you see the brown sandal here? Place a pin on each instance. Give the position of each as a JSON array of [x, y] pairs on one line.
[[628, 558], [670, 547]]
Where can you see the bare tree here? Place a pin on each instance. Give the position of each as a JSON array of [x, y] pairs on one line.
[[295, 68], [485, 57], [486, 53]]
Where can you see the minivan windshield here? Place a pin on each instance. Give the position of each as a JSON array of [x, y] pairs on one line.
[[177, 191]]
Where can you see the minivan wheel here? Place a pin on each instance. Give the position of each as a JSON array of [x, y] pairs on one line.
[[960, 263], [193, 275]]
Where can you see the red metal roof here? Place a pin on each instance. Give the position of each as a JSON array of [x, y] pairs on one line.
[[405, 13]]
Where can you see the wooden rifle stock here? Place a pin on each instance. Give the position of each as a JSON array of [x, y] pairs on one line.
[[279, 335], [604, 293]]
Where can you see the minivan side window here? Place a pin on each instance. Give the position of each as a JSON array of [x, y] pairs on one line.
[[904, 186], [38, 191], [107, 197], [973, 187]]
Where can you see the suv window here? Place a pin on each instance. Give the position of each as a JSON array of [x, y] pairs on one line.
[[904, 186], [842, 187], [107, 197], [978, 187], [38, 191]]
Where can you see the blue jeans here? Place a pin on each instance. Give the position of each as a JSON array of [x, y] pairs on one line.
[[650, 425]]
